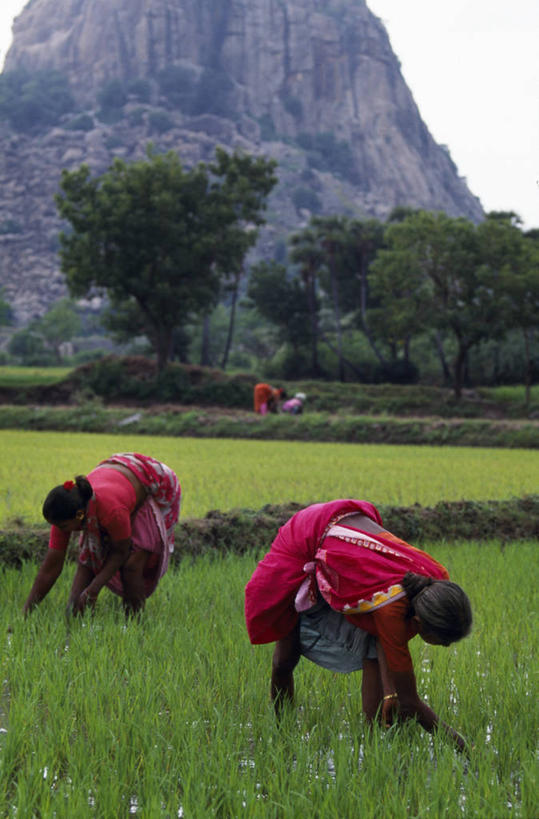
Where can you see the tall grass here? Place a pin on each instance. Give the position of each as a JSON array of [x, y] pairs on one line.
[[223, 474], [170, 716]]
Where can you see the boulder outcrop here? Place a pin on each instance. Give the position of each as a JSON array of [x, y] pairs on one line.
[[313, 83]]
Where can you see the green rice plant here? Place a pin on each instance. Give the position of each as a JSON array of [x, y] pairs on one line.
[[170, 715], [227, 474]]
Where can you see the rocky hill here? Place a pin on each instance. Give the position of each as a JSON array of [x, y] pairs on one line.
[[312, 83]]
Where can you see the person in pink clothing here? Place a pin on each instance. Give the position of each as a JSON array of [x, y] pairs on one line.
[[126, 510], [339, 589]]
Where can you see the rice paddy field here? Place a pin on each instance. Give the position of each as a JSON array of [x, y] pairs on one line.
[[170, 716], [224, 474]]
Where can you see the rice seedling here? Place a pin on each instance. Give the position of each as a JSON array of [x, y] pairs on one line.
[[226, 474], [170, 715]]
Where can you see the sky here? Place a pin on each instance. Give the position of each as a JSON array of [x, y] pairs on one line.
[[473, 69]]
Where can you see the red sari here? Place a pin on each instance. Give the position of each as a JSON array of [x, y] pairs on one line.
[[356, 572]]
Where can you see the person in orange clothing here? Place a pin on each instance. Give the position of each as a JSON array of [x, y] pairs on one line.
[[266, 398], [339, 589]]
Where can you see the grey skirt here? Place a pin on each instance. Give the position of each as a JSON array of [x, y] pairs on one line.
[[328, 639]]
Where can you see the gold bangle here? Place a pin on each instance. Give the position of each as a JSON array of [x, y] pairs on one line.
[[390, 696]]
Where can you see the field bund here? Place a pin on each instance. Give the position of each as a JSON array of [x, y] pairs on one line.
[[242, 531]]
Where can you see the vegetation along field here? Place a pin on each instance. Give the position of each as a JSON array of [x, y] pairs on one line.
[[170, 716], [224, 474]]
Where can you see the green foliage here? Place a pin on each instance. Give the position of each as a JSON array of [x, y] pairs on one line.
[[34, 101], [6, 313], [327, 153], [40, 342], [8, 226], [451, 275], [179, 86], [158, 236], [213, 94], [140, 89], [156, 723], [112, 96], [114, 378], [160, 121], [293, 105], [83, 122], [303, 197], [28, 346], [267, 128], [135, 117], [59, 324], [280, 300]]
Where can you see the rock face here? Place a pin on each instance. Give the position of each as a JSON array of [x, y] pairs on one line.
[[299, 80]]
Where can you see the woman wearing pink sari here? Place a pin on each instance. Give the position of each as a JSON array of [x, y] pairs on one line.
[[339, 589], [126, 510]]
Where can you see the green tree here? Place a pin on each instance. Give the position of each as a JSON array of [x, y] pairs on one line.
[[331, 234], [403, 295], [28, 345], [278, 298], [363, 239], [519, 282], [307, 255], [33, 101], [451, 258], [6, 313], [59, 324], [159, 236]]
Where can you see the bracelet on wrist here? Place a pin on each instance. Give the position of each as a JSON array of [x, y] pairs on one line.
[[391, 696]]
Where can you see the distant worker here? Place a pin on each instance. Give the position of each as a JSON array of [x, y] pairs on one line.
[[126, 510], [266, 398], [294, 406]]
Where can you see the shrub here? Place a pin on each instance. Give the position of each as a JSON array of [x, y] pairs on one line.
[[267, 128], [10, 226], [112, 95], [160, 121], [178, 85], [140, 89], [33, 101], [84, 122], [136, 116], [306, 198], [213, 94], [396, 372], [136, 377], [327, 153], [293, 105]]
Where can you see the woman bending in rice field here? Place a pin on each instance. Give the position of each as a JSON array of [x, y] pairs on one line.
[[125, 510], [339, 589]]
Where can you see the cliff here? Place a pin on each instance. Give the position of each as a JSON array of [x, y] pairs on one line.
[[313, 84]]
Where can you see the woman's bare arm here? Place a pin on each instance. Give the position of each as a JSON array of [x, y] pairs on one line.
[[411, 706], [117, 557], [48, 573]]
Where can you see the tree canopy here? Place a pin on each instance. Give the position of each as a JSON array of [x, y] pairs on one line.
[[157, 236]]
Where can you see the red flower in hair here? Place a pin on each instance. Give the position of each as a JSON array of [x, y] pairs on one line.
[[69, 485]]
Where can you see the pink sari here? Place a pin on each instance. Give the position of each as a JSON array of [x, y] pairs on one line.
[[355, 571], [152, 525]]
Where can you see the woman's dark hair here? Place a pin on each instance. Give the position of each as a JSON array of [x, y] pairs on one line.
[[64, 501], [443, 607]]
